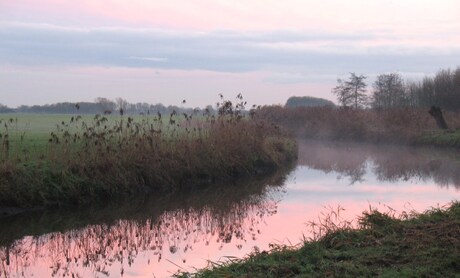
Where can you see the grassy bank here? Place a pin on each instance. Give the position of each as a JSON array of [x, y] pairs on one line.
[[415, 245], [85, 160], [406, 126], [440, 138]]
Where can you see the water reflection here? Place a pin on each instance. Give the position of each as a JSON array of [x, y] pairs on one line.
[[110, 239], [388, 163], [156, 237]]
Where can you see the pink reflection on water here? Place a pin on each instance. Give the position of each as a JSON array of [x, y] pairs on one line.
[[132, 248]]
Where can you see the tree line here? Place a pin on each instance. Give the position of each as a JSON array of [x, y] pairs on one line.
[[102, 106], [391, 91], [307, 101]]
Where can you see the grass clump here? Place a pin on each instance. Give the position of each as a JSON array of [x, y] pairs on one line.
[[411, 245], [114, 155]]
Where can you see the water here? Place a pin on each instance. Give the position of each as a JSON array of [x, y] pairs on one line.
[[152, 237]]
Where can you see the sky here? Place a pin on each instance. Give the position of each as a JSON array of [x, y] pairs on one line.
[[164, 51]]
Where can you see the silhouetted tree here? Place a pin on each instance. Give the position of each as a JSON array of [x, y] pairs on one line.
[[351, 92], [442, 90], [389, 91]]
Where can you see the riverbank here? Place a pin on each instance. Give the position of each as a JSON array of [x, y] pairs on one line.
[[411, 245], [440, 138], [83, 162]]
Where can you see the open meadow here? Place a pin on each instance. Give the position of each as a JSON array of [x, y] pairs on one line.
[[31, 133]]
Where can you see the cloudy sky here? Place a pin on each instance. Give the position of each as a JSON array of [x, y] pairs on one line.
[[168, 50]]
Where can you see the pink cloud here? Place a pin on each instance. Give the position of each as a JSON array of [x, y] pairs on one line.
[[253, 15]]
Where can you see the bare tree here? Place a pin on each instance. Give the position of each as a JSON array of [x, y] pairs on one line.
[[122, 105], [389, 91], [342, 92], [105, 104], [441, 90], [351, 92]]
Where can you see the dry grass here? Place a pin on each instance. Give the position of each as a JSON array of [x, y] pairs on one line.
[[381, 126]]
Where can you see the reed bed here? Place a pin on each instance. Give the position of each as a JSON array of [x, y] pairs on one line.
[[82, 161], [396, 125]]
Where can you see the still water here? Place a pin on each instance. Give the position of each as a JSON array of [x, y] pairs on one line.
[[152, 237]]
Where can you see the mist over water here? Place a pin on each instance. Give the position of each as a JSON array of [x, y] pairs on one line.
[[386, 163], [158, 236]]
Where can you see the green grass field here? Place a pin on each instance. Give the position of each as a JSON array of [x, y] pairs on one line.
[[41, 125], [30, 133]]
